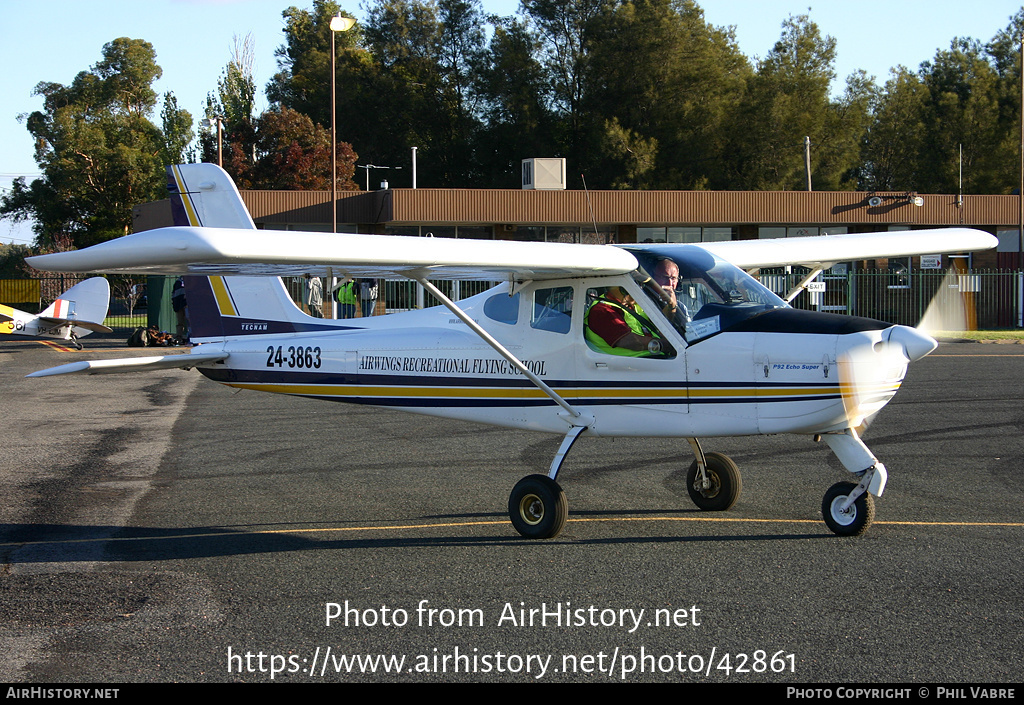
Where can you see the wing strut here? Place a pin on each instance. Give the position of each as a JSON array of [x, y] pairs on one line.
[[815, 271], [577, 418]]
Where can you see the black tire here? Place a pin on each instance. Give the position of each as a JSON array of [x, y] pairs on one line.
[[538, 507], [857, 518], [725, 483]]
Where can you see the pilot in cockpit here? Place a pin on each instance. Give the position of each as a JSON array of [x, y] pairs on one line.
[[666, 274]]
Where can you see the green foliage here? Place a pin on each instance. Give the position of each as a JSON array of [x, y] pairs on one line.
[[647, 94], [97, 149], [634, 93], [895, 137], [669, 79], [786, 101], [12, 261], [510, 86], [177, 132]]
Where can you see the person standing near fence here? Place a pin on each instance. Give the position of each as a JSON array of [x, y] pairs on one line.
[[368, 291], [314, 296], [345, 295], [179, 304]]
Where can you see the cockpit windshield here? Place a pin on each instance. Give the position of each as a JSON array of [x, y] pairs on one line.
[[699, 293]]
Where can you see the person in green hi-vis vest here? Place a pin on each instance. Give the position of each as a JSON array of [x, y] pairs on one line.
[[345, 295], [616, 325]]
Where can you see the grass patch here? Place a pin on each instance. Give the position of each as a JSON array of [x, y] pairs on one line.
[[1015, 334], [126, 321]]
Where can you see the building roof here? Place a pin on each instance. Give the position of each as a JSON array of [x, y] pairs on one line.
[[532, 207], [374, 210]]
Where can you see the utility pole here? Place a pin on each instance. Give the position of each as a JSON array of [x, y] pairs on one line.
[[807, 161]]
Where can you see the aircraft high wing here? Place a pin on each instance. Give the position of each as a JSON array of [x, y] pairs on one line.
[[78, 312], [639, 340]]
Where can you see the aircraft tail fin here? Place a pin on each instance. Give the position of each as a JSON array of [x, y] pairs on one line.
[[84, 305], [222, 307], [204, 195], [225, 307]]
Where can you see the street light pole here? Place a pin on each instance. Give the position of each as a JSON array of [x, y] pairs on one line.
[[220, 137], [338, 24]]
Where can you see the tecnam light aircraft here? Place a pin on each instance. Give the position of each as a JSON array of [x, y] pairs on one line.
[[78, 312], [724, 355]]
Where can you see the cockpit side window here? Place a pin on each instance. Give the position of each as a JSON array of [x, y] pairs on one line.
[[615, 324], [503, 308], [552, 309]]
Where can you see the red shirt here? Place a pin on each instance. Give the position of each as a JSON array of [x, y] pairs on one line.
[[608, 322]]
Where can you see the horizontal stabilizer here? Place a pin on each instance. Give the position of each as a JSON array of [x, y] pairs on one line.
[[83, 306], [132, 364], [88, 325]]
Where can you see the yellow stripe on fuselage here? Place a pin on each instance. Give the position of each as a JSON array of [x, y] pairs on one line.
[[338, 390]]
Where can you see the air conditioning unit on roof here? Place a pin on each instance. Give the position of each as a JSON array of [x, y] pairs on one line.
[[544, 174]]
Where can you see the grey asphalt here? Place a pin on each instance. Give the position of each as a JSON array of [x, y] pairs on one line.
[[160, 527]]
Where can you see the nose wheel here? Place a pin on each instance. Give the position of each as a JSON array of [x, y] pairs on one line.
[[538, 507], [853, 520]]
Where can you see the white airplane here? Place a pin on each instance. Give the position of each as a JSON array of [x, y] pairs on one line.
[[78, 312], [712, 352]]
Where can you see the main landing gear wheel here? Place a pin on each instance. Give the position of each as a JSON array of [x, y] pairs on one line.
[[537, 507], [723, 483], [855, 520]]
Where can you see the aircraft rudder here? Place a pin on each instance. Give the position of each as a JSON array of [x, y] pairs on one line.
[[86, 301], [203, 195]]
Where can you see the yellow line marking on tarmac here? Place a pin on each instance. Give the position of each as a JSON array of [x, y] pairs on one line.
[[501, 522], [55, 346]]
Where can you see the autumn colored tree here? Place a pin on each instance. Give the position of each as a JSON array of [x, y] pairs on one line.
[[295, 154]]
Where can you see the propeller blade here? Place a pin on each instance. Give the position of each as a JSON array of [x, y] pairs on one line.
[[870, 374], [947, 311]]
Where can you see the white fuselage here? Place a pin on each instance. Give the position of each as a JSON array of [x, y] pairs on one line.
[[429, 362]]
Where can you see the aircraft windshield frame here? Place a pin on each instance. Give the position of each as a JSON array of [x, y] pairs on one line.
[[710, 295]]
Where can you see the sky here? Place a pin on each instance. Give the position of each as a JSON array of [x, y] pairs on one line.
[[53, 40]]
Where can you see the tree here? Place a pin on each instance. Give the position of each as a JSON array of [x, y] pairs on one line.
[[426, 55], [234, 105], [303, 81], [962, 119], [788, 100], [12, 260], [517, 124], [97, 149], [295, 154], [177, 132], [665, 76], [1004, 52], [895, 137], [564, 29]]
